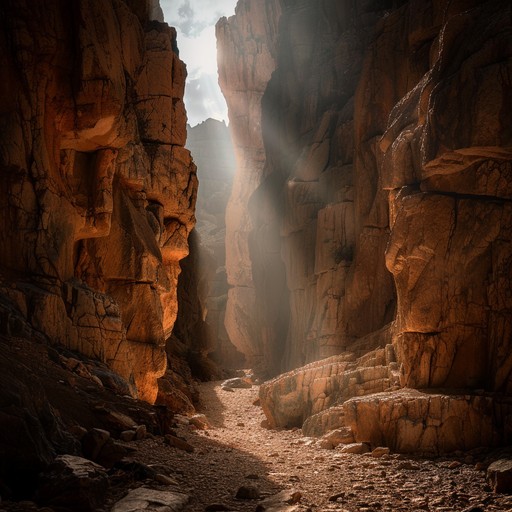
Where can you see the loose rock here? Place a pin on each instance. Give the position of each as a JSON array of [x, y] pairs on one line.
[[148, 499], [237, 382], [499, 476], [247, 492], [358, 448], [73, 483]]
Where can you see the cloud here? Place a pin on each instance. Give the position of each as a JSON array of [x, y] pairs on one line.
[[192, 16], [185, 11], [187, 21], [203, 99], [195, 22]]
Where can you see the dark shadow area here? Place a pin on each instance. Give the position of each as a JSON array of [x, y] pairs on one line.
[[45, 408]]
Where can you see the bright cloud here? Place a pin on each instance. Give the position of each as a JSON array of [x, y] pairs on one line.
[[195, 23]]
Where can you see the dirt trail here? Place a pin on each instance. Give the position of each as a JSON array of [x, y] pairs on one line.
[[236, 451]]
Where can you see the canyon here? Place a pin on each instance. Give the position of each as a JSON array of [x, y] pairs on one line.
[[355, 253], [373, 215]]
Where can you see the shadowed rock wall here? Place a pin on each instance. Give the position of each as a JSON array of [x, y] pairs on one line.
[[97, 193], [212, 148], [384, 196]]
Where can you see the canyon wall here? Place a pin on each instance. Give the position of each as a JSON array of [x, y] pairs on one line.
[[246, 60], [98, 192], [383, 195]]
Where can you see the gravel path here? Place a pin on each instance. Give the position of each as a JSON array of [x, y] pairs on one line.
[[235, 451]]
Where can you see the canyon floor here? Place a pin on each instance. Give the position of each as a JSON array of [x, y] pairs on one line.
[[235, 452]]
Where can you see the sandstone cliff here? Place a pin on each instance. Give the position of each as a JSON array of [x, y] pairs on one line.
[[383, 193], [97, 192], [246, 59]]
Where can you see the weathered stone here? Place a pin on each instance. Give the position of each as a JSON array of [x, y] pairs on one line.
[[73, 483], [280, 501], [335, 437], [357, 448], [152, 500], [86, 164], [499, 476], [173, 398], [94, 441], [415, 421], [381, 205], [127, 435], [178, 443], [295, 396], [380, 451], [141, 432], [199, 421]]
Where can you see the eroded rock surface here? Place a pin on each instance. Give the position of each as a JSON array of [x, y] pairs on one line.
[[98, 191], [384, 192]]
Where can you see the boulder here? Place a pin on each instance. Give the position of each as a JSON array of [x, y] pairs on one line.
[[151, 500], [236, 382], [499, 476], [73, 483]]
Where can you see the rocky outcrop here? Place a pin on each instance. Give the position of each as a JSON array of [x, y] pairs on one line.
[[53, 402], [98, 192], [384, 192], [246, 60]]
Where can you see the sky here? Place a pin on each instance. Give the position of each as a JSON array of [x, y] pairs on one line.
[[195, 24]]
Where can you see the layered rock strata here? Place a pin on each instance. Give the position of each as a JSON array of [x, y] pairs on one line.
[[98, 191], [384, 192]]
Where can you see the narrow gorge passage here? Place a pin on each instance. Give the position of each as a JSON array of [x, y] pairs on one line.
[[235, 451]]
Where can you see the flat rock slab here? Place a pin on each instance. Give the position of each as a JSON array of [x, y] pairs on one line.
[[284, 501], [143, 499]]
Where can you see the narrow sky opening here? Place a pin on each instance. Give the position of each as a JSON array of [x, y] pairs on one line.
[[195, 24]]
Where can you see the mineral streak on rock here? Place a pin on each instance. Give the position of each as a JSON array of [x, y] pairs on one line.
[[98, 192], [383, 189]]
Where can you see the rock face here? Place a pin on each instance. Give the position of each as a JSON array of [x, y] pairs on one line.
[[246, 59], [97, 192], [384, 193]]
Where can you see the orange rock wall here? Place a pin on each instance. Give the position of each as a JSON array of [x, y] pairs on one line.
[[97, 192]]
